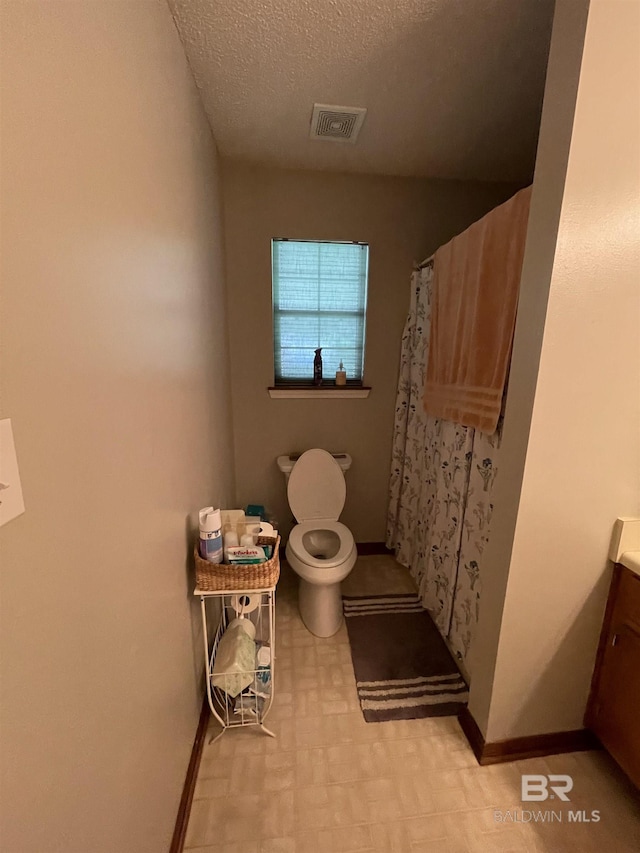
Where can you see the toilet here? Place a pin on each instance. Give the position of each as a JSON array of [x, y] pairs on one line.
[[320, 550]]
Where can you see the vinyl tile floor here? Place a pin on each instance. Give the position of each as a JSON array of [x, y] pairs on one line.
[[331, 783]]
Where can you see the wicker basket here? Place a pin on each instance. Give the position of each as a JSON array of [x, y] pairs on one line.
[[214, 577]]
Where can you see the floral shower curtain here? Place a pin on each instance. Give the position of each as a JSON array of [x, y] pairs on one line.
[[442, 475]]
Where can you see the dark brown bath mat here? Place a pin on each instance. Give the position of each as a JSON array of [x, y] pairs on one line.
[[403, 667]]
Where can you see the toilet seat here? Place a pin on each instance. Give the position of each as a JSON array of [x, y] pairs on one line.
[[296, 543], [316, 489]]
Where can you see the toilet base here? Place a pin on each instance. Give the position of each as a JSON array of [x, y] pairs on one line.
[[320, 607]]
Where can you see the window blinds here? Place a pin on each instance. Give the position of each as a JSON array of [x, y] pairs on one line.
[[319, 300]]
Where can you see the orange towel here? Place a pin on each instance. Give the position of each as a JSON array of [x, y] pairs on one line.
[[476, 278]]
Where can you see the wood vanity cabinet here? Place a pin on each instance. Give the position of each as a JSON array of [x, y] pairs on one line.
[[613, 711]]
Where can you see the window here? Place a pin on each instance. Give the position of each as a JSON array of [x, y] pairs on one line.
[[319, 300]]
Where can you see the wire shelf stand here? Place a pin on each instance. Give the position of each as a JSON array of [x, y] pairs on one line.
[[252, 705]]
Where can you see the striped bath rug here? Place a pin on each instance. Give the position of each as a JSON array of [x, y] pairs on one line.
[[403, 667]]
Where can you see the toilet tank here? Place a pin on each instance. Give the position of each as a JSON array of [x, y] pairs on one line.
[[286, 463]]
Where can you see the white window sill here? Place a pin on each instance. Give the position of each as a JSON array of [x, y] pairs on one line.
[[344, 393]]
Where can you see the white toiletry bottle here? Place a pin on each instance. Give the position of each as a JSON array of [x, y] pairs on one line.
[[231, 539], [211, 535]]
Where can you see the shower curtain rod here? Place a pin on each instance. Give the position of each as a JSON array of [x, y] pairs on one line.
[[424, 264]]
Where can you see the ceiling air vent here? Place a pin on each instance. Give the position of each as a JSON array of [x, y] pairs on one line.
[[336, 124]]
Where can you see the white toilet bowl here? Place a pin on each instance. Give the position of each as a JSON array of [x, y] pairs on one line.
[[320, 550]]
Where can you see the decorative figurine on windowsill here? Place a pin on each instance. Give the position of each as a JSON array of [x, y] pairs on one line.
[[317, 368]]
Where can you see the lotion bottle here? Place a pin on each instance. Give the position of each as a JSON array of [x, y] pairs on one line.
[[341, 375]]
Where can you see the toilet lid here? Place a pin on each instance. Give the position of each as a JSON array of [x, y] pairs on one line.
[[316, 487]]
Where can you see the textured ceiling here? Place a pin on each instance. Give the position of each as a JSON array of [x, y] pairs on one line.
[[453, 88]]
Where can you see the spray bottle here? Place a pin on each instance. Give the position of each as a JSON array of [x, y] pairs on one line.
[[317, 367], [210, 546]]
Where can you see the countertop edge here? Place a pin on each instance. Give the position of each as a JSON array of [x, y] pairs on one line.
[[631, 560]]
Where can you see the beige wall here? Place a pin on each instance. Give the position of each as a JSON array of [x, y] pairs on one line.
[[583, 460], [114, 370], [403, 220]]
